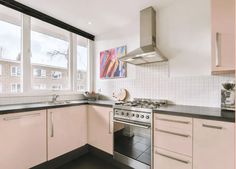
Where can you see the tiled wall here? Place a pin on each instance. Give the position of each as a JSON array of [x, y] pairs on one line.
[[153, 81]]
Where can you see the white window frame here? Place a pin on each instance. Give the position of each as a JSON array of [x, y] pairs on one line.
[[59, 76], [26, 72], [58, 87], [43, 73], [16, 72], [0, 69], [16, 88]]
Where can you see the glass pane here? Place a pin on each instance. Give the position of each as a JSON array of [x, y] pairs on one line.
[[10, 50], [50, 56], [82, 63]]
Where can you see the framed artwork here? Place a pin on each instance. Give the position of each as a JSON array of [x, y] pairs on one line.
[[110, 65]]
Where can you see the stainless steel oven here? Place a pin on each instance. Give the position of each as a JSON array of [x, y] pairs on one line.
[[133, 138]]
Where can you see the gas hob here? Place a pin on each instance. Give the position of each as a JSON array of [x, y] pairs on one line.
[[137, 111]]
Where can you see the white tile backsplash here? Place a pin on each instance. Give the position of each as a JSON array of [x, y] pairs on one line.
[[153, 81]]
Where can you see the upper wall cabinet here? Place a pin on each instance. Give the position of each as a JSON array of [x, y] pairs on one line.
[[223, 31]]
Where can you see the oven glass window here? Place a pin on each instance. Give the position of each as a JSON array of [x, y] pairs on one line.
[[133, 142]]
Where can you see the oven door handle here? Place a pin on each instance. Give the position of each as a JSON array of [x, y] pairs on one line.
[[136, 125]]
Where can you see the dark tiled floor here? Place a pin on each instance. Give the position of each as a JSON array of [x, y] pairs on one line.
[[88, 161]]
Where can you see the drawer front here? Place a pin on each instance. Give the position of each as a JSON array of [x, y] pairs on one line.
[[168, 160], [174, 122], [173, 133]]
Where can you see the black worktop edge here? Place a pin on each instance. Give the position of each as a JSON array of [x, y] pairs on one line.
[[198, 116], [27, 109]]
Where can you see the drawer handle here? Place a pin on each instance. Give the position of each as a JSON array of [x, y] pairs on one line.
[[213, 127], [175, 121], [52, 124], [173, 133], [20, 117], [172, 158]]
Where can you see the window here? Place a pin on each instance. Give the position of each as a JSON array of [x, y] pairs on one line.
[[15, 88], [10, 48], [15, 71], [57, 87], [39, 87], [82, 63], [39, 73], [49, 58], [56, 75], [50, 50]]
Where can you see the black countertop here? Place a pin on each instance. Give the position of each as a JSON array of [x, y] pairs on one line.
[[17, 108], [210, 113], [176, 110]]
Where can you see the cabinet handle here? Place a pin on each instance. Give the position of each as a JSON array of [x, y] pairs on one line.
[[174, 121], [110, 130], [213, 127], [172, 158], [218, 49], [52, 125], [21, 116], [172, 133]]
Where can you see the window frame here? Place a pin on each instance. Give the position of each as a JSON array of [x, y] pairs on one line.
[[26, 71]]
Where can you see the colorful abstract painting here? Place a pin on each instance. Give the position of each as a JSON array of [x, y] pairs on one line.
[[110, 65]]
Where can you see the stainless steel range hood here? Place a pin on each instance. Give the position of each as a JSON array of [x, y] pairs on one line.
[[148, 51]]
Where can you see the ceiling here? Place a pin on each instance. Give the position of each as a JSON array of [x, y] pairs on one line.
[[104, 15]]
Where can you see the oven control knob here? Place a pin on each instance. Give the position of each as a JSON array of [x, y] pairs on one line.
[[137, 115], [147, 117], [133, 114], [127, 114], [122, 113], [142, 116]]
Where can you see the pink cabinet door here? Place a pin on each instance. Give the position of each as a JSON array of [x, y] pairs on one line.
[[100, 132], [23, 140], [223, 31], [213, 145], [67, 130]]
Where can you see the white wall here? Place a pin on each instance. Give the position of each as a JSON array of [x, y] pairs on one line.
[[184, 37]]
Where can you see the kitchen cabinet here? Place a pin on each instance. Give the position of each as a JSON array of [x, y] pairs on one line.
[[223, 31], [173, 141], [169, 160], [100, 132], [213, 145], [67, 129], [23, 139], [173, 133]]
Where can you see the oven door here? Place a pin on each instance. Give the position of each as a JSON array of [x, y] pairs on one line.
[[132, 144]]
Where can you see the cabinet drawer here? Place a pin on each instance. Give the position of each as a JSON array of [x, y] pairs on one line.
[[173, 133], [174, 122], [168, 160]]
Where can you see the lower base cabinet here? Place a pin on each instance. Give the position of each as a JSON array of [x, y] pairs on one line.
[[164, 159], [23, 139], [67, 130], [100, 128], [213, 144]]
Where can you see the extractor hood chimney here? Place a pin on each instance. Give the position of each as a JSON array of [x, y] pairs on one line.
[[148, 51]]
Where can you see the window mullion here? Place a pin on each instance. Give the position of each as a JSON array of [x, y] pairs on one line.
[[73, 62], [25, 54], [90, 74]]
